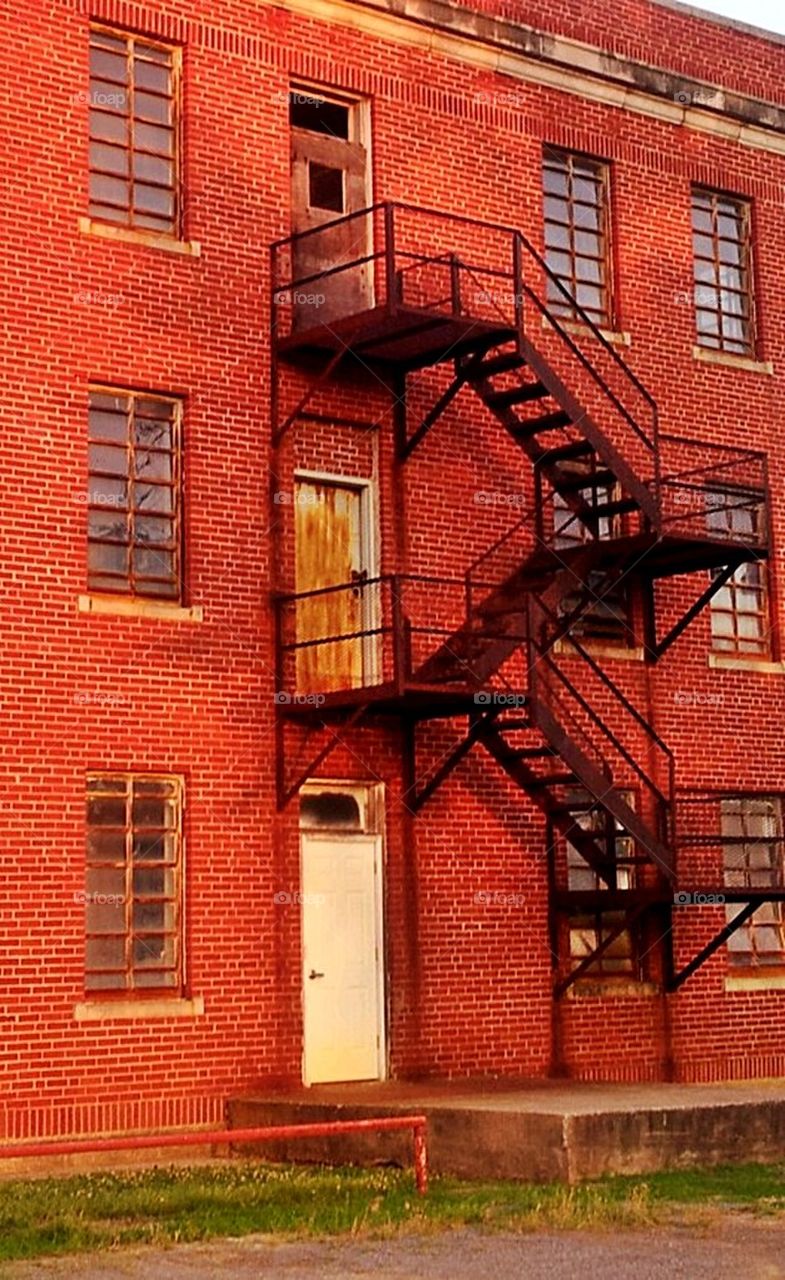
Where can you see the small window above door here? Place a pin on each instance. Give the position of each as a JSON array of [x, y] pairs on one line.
[[318, 115], [330, 810]]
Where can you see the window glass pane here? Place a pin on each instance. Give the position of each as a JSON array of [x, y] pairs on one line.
[[108, 159], [104, 189], [106, 953], [153, 169], [153, 199], [108, 128], [149, 76], [108, 65], [155, 110]]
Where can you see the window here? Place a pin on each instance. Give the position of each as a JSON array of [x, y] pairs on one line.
[[134, 494], [587, 929], [318, 115], [134, 86], [740, 608], [575, 201], [133, 889], [752, 838], [606, 618], [325, 187], [722, 272]]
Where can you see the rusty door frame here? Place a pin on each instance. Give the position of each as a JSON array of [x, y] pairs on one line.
[[370, 531]]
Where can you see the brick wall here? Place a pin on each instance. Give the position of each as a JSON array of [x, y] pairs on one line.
[[468, 984]]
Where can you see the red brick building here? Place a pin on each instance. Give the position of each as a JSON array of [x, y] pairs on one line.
[[391, 661]]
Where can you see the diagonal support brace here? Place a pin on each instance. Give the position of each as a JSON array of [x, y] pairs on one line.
[[432, 416], [661, 646], [716, 942], [414, 799]]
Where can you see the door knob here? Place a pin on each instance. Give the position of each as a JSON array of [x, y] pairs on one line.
[[313, 974]]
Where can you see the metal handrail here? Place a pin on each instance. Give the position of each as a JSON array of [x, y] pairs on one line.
[[620, 697], [520, 245]]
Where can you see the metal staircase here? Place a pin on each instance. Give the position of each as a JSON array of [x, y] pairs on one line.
[[611, 497]]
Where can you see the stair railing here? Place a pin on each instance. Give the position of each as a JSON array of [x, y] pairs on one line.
[[662, 765]]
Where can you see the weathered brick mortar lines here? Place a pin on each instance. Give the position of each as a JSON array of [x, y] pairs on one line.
[[468, 988]]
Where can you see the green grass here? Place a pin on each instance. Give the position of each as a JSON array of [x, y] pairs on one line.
[[168, 1205]]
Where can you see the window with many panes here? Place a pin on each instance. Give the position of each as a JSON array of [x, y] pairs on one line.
[[740, 608], [134, 499], [588, 929], [722, 272], [134, 883], [134, 131], [606, 618], [752, 841], [577, 234]]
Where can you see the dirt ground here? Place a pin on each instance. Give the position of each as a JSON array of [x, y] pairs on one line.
[[732, 1246]]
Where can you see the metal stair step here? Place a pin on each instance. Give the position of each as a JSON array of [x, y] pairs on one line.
[[619, 508], [574, 481], [554, 780], [511, 396], [564, 453], [549, 422], [497, 364]]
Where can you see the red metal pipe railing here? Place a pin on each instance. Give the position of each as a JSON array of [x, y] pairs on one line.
[[212, 1137]]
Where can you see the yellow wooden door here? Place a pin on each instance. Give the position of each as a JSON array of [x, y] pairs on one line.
[[329, 552]]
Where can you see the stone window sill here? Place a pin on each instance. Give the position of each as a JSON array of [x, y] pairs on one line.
[[159, 1007], [135, 607], [730, 662], [706, 355], [616, 987], [755, 982], [604, 651], [616, 337], [133, 235]]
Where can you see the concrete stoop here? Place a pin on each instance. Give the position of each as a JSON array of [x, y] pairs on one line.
[[538, 1131]]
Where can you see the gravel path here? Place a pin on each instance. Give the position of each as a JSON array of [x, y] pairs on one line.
[[730, 1249]]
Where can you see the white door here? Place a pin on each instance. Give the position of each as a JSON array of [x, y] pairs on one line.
[[342, 958]]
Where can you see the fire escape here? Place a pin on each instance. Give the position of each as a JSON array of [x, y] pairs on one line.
[[613, 500]]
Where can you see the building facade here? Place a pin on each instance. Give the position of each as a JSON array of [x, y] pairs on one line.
[[391, 578]]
